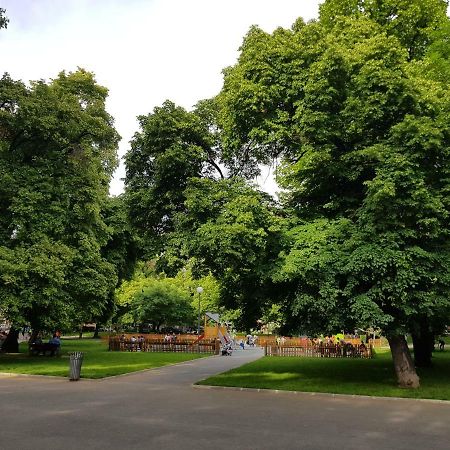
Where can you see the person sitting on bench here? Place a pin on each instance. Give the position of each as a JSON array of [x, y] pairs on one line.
[[55, 341]]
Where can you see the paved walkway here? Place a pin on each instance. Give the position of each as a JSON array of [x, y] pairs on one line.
[[160, 409]]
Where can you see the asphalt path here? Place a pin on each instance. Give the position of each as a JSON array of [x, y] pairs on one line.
[[161, 409]]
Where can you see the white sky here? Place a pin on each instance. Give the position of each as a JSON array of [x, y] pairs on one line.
[[143, 51]]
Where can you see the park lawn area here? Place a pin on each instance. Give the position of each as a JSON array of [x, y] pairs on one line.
[[373, 377], [98, 362]]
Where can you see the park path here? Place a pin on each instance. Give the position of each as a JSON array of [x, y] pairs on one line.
[[160, 409]]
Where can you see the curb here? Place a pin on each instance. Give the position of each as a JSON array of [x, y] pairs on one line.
[[317, 394], [29, 375]]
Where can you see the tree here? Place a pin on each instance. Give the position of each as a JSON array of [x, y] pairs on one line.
[[412, 22], [183, 284], [231, 230], [156, 301], [173, 146], [3, 19], [57, 155], [121, 248], [362, 130]]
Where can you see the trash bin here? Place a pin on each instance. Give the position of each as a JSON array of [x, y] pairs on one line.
[[76, 359]]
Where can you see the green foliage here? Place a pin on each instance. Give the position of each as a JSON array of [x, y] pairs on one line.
[[57, 154], [155, 298], [158, 301], [412, 22], [162, 303], [122, 247], [356, 106], [209, 298], [232, 230], [173, 146], [3, 19]]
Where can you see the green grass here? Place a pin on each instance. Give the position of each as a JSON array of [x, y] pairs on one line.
[[374, 377], [98, 362]]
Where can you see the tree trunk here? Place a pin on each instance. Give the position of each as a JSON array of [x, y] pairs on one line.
[[423, 348], [80, 334], [403, 363], [423, 342], [33, 336], [11, 343], [96, 331]]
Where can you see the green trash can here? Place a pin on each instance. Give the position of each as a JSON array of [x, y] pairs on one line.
[[75, 360]]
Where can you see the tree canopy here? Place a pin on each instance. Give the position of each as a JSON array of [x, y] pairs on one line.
[[170, 301], [232, 230], [355, 105], [57, 154], [3, 19], [173, 146]]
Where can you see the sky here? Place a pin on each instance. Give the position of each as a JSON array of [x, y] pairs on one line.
[[143, 51]]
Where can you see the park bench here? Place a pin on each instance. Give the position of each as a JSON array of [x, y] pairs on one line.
[[44, 349]]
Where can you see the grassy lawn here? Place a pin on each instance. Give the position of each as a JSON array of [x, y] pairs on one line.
[[98, 362], [373, 377]]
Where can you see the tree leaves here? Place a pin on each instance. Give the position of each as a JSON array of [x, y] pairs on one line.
[[57, 153]]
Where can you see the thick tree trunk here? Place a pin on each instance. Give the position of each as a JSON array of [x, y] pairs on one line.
[[33, 336], [423, 348], [403, 363], [11, 343], [96, 331]]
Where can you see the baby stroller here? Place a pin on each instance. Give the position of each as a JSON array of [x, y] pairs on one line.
[[227, 350]]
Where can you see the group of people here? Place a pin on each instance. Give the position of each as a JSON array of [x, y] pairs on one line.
[[134, 344], [55, 339], [170, 338]]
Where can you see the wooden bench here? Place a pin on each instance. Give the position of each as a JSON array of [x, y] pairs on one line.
[[43, 349]]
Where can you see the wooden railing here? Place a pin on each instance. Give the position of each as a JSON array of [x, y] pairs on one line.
[[274, 340], [180, 337], [320, 351], [264, 340], [160, 345]]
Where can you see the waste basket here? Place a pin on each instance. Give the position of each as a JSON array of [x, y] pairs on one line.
[[76, 359]]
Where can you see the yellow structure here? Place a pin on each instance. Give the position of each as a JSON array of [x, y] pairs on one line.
[[212, 326]]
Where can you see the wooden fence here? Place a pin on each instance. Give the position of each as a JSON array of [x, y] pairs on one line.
[[264, 340], [210, 346], [320, 351], [151, 336]]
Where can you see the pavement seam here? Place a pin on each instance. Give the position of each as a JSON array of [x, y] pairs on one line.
[[318, 394]]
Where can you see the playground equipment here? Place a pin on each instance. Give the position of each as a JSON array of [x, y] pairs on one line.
[[213, 329]]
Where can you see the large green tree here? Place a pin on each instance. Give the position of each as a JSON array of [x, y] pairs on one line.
[[361, 124], [156, 300], [57, 155], [172, 146], [3, 19], [232, 230]]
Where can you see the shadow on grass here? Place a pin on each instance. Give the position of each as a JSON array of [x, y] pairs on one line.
[[374, 377], [98, 362]]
